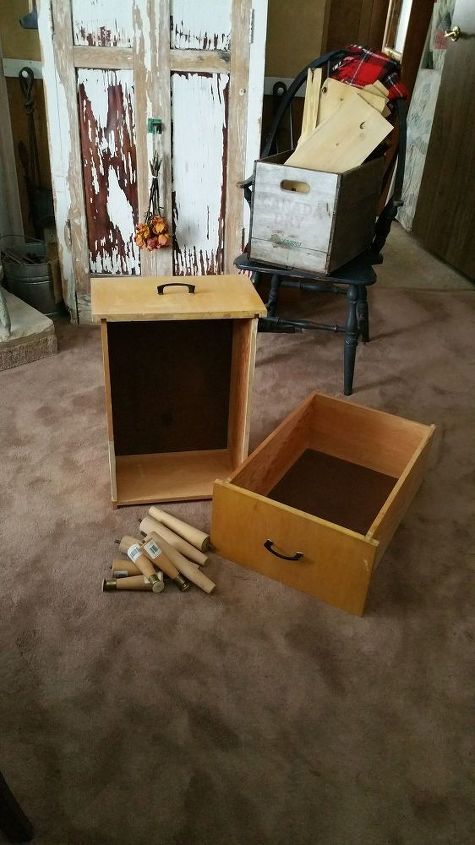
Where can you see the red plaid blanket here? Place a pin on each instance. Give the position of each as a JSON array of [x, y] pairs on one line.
[[364, 66]]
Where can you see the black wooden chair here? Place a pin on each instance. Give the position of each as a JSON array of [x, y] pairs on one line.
[[353, 278]]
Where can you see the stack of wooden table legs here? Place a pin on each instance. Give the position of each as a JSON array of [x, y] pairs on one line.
[[167, 548]]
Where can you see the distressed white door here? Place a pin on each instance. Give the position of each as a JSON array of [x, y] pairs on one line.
[[108, 68]]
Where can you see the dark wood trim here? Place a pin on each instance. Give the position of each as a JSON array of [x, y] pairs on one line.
[[419, 20]]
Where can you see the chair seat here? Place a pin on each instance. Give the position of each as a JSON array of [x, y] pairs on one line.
[[358, 271]]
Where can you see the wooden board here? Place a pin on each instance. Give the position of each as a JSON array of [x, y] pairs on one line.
[[292, 228], [400, 498], [376, 100], [358, 197], [100, 23], [199, 109], [240, 391], [170, 385], [343, 141], [200, 26], [319, 484], [311, 103], [336, 565], [108, 146], [377, 440], [173, 477], [60, 87], [333, 95], [220, 297], [276, 454]]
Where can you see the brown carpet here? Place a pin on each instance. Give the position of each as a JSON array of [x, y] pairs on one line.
[[257, 715]]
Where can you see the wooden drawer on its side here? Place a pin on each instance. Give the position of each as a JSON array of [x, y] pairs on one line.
[[317, 503]]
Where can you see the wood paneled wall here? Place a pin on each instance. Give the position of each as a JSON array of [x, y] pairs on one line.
[[356, 22]]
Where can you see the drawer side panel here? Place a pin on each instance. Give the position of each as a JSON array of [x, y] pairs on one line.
[[398, 501]]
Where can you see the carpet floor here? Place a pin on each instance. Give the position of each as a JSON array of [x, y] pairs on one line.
[[257, 715], [408, 265]]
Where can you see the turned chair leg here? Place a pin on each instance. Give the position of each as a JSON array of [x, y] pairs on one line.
[[362, 314], [351, 339], [255, 279], [13, 822], [272, 302]]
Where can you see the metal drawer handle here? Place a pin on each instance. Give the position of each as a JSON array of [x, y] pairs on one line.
[[161, 288], [268, 545]]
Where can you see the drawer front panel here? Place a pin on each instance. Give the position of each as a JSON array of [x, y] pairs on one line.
[[335, 564]]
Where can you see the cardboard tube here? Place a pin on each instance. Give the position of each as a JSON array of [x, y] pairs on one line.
[[132, 582], [152, 548], [194, 536], [182, 564], [149, 524], [120, 564], [133, 549]]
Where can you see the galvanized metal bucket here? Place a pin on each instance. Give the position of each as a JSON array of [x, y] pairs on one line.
[[31, 282]]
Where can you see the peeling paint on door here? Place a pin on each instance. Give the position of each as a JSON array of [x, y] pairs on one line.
[[199, 144], [101, 23], [200, 26], [107, 131]]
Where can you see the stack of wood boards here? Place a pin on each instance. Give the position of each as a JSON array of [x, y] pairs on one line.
[[341, 124]]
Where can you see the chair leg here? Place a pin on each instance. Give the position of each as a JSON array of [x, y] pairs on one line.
[[272, 302], [255, 279], [351, 339], [362, 314], [13, 822]]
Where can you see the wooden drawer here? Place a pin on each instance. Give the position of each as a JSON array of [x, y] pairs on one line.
[[178, 369], [315, 506]]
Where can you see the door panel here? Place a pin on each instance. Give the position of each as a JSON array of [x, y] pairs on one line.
[[101, 23], [201, 25], [107, 131], [199, 111], [446, 206]]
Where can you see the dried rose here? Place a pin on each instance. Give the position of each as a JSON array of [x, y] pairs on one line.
[[164, 239], [152, 243], [160, 226]]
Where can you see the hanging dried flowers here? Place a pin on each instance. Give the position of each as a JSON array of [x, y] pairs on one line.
[[154, 232]]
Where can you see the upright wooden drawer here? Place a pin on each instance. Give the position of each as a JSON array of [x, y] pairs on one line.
[[178, 370], [316, 505]]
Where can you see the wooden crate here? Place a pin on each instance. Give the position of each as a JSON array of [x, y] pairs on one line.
[[317, 503], [178, 371], [311, 220]]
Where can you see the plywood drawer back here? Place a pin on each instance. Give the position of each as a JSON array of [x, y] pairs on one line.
[[335, 564]]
